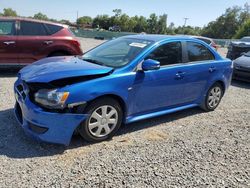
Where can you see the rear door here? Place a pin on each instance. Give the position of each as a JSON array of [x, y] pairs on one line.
[[8, 45], [33, 39], [159, 89], [199, 69]]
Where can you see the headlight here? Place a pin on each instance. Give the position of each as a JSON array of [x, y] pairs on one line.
[[51, 98]]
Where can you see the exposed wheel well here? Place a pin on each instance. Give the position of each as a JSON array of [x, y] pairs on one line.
[[59, 52], [222, 85], [118, 99]]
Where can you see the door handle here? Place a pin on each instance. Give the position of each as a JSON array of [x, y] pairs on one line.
[[212, 69], [48, 42], [9, 42], [179, 75]]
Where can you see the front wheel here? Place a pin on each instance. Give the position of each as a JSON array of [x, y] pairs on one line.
[[213, 97], [105, 118]]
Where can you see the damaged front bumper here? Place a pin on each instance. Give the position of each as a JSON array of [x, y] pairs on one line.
[[42, 125]]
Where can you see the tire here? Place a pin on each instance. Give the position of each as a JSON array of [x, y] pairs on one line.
[[99, 126], [213, 97]]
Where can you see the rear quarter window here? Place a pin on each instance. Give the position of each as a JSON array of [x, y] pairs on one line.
[[198, 52], [53, 28]]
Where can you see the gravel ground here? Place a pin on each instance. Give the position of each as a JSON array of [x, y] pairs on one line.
[[185, 149]]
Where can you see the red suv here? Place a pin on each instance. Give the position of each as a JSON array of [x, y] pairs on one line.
[[23, 41]]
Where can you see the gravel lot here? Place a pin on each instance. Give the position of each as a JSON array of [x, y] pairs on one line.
[[188, 148]]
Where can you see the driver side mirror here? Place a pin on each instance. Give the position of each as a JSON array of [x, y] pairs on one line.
[[150, 64]]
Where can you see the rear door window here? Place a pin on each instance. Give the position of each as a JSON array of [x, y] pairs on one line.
[[7, 28], [167, 54], [32, 29], [198, 52], [53, 28]]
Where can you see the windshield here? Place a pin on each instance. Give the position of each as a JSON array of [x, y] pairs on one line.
[[116, 53], [245, 39]]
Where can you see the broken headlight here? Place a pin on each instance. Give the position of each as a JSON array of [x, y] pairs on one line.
[[51, 98]]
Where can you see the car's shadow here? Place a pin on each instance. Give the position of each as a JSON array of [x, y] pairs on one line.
[[241, 84], [15, 144]]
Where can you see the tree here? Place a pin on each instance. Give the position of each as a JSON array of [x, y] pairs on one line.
[[245, 14], [227, 25], [152, 23], [9, 12], [101, 21], [244, 30], [141, 24], [40, 16], [67, 22], [117, 12], [84, 20], [162, 24]]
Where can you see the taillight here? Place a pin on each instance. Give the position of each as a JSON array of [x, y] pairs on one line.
[[76, 43]]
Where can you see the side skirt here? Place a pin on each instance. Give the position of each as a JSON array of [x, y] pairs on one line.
[[131, 119]]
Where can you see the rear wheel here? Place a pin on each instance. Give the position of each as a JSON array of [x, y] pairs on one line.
[[213, 97], [105, 118]]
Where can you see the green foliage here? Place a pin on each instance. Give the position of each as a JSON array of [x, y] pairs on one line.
[[117, 12], [9, 12], [40, 16], [233, 23], [227, 25], [84, 20], [101, 21], [244, 30]]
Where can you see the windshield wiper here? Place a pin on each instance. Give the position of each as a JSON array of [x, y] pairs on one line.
[[93, 61]]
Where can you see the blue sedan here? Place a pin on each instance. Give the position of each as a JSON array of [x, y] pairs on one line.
[[121, 81]]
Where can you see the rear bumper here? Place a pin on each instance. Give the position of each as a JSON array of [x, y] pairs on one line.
[[45, 126]]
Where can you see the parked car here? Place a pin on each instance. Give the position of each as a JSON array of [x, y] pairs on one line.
[[23, 41], [242, 67], [115, 28], [207, 40], [237, 48], [121, 81]]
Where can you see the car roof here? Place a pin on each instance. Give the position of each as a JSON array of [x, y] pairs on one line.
[[32, 20], [158, 38]]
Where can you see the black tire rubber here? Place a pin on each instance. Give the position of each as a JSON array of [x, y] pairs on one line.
[[205, 105], [83, 128]]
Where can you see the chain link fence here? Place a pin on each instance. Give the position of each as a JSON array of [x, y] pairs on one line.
[[107, 35]]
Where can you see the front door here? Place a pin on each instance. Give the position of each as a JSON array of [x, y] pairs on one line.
[[8, 46]]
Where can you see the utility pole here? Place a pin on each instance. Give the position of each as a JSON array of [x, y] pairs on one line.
[[76, 15], [185, 21]]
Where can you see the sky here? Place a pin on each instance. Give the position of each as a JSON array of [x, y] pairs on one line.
[[199, 12]]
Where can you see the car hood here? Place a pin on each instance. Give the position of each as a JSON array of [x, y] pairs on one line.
[[243, 61], [56, 68]]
